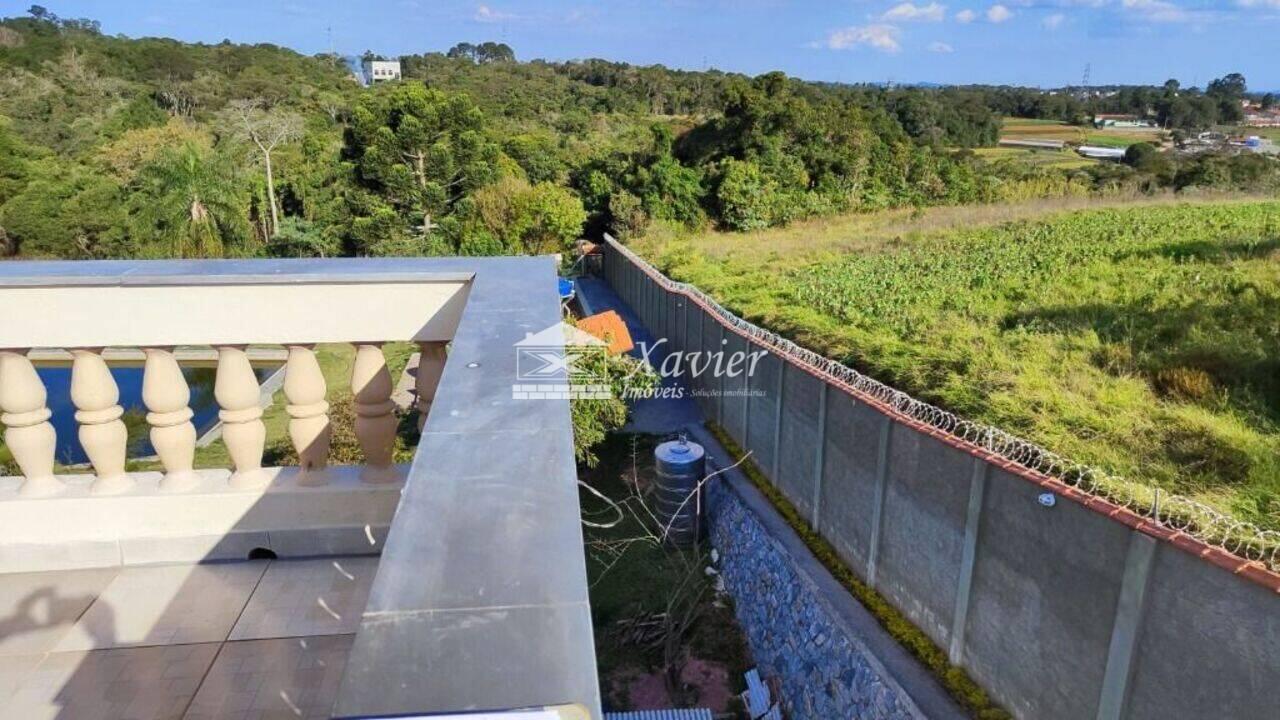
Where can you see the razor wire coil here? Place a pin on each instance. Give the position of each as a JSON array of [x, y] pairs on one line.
[[1174, 512]]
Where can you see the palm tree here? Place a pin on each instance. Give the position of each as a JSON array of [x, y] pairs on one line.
[[190, 200]]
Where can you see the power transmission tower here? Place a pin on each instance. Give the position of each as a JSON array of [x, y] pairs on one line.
[[1084, 82]]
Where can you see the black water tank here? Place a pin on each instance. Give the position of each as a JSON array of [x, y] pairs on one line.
[[681, 466]]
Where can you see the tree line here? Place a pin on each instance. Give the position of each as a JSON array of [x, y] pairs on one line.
[[118, 147]]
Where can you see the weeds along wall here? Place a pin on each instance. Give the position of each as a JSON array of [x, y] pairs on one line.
[[1059, 603]]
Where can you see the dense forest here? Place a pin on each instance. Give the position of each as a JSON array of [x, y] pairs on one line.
[[118, 147]]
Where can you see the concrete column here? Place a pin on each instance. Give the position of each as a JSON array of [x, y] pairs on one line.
[[689, 335], [777, 419], [236, 389], [28, 432], [628, 281], [664, 318], [820, 454], [1124, 633], [973, 520], [702, 342], [375, 417], [102, 433], [677, 328], [641, 307], [431, 359], [877, 502], [719, 379], [637, 280], [651, 292], [309, 426], [168, 398], [656, 296], [745, 440]]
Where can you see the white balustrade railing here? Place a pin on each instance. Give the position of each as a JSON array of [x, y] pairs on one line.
[[32, 441], [99, 314], [25, 416]]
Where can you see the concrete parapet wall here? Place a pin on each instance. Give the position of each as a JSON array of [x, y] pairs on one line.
[[1060, 604], [210, 521]]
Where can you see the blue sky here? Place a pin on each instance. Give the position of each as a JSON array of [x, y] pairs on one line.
[[1028, 42]]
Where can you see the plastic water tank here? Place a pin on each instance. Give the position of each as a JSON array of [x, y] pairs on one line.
[[680, 466]]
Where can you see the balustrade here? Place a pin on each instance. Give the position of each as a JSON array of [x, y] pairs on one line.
[[102, 433], [28, 432], [431, 358], [309, 427], [375, 412], [32, 441]]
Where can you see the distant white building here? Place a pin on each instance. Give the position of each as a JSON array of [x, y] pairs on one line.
[[1103, 120], [376, 71]]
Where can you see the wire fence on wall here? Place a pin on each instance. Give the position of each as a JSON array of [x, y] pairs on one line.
[[1169, 510]]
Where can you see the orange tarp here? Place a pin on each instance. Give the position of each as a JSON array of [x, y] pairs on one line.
[[608, 326]]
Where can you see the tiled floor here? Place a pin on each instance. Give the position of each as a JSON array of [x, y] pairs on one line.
[[239, 640]]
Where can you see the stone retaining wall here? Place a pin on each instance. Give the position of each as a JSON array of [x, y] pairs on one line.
[[811, 636]]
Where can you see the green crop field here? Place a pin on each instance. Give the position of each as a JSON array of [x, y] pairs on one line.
[[1027, 129], [1058, 159], [1142, 339]]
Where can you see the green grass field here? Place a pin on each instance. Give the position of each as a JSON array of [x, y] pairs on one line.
[[1271, 133], [1142, 339], [1058, 159], [1025, 129], [1028, 129]]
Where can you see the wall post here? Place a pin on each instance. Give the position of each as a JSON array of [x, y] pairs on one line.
[[1124, 633], [973, 520], [821, 452], [720, 378], [877, 507], [777, 421]]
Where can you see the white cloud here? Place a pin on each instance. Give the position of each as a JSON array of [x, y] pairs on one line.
[[999, 13], [1054, 21], [966, 16], [881, 37], [1156, 10], [1272, 4], [486, 14], [933, 12], [940, 47]]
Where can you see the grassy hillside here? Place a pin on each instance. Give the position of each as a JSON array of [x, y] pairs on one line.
[[1141, 339]]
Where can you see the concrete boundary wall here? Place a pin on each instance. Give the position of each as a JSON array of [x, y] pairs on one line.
[[1060, 603]]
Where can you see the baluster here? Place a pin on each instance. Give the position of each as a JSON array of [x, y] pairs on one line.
[[28, 432], [375, 419], [236, 389], [168, 399], [431, 358], [309, 427], [102, 433]]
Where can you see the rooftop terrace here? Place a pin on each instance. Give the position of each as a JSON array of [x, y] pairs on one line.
[[479, 598]]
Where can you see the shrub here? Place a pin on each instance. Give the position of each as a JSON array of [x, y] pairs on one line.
[[593, 420], [628, 218], [1184, 382], [744, 196]]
